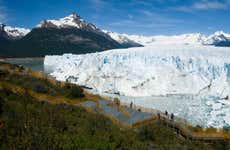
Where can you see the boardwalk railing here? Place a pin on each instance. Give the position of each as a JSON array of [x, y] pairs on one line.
[[181, 126]]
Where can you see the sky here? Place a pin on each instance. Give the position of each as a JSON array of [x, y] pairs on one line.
[[142, 17]]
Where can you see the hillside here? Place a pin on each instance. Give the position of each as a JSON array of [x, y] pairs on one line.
[[42, 41], [70, 34]]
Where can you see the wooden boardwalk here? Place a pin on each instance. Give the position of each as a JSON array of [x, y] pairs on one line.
[[182, 127]]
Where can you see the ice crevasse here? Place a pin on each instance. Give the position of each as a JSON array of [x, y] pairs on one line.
[[148, 71]]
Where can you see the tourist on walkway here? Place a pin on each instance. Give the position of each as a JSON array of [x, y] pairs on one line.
[[172, 116], [131, 105], [166, 113]]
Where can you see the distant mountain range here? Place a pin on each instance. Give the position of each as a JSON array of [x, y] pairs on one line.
[[219, 38], [72, 34]]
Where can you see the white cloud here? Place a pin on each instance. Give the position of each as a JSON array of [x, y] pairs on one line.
[[141, 2], [159, 18], [2, 12], [204, 5], [98, 3]]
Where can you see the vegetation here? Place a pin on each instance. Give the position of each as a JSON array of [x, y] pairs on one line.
[[30, 124], [29, 82], [74, 91]]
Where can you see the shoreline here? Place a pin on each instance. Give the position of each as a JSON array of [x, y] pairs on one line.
[[22, 58]]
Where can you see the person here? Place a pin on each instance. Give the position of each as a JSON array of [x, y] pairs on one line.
[[172, 116], [166, 113], [131, 105]]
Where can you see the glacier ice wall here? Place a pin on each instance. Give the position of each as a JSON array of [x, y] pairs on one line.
[[147, 71]]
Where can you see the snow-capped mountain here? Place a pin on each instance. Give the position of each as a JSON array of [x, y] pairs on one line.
[[70, 34], [216, 38], [192, 38], [73, 20], [14, 32], [122, 39]]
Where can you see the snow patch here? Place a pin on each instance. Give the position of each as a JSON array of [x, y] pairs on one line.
[[16, 32]]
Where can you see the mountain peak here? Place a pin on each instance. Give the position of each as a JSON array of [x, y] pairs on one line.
[[72, 21], [74, 15], [217, 33], [13, 32]]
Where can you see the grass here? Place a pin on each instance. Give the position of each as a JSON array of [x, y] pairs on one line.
[[32, 124]]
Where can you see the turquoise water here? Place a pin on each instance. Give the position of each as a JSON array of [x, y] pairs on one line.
[[31, 63]]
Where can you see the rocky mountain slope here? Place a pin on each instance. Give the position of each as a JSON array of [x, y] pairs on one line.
[[123, 39], [70, 34], [12, 33]]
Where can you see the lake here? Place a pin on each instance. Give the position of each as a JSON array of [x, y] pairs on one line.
[[31, 63]]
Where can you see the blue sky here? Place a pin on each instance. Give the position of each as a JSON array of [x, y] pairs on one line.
[[145, 17]]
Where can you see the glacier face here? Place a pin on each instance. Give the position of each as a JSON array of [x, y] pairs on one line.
[[147, 71], [153, 74]]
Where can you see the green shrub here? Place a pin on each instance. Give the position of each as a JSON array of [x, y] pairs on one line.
[[39, 87], [147, 133], [74, 91]]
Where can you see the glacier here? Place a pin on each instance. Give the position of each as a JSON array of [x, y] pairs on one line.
[[157, 70], [189, 38]]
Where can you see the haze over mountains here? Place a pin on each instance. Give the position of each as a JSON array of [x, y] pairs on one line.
[[72, 34]]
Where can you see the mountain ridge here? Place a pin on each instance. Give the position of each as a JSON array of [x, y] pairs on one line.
[[189, 38], [72, 34]]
